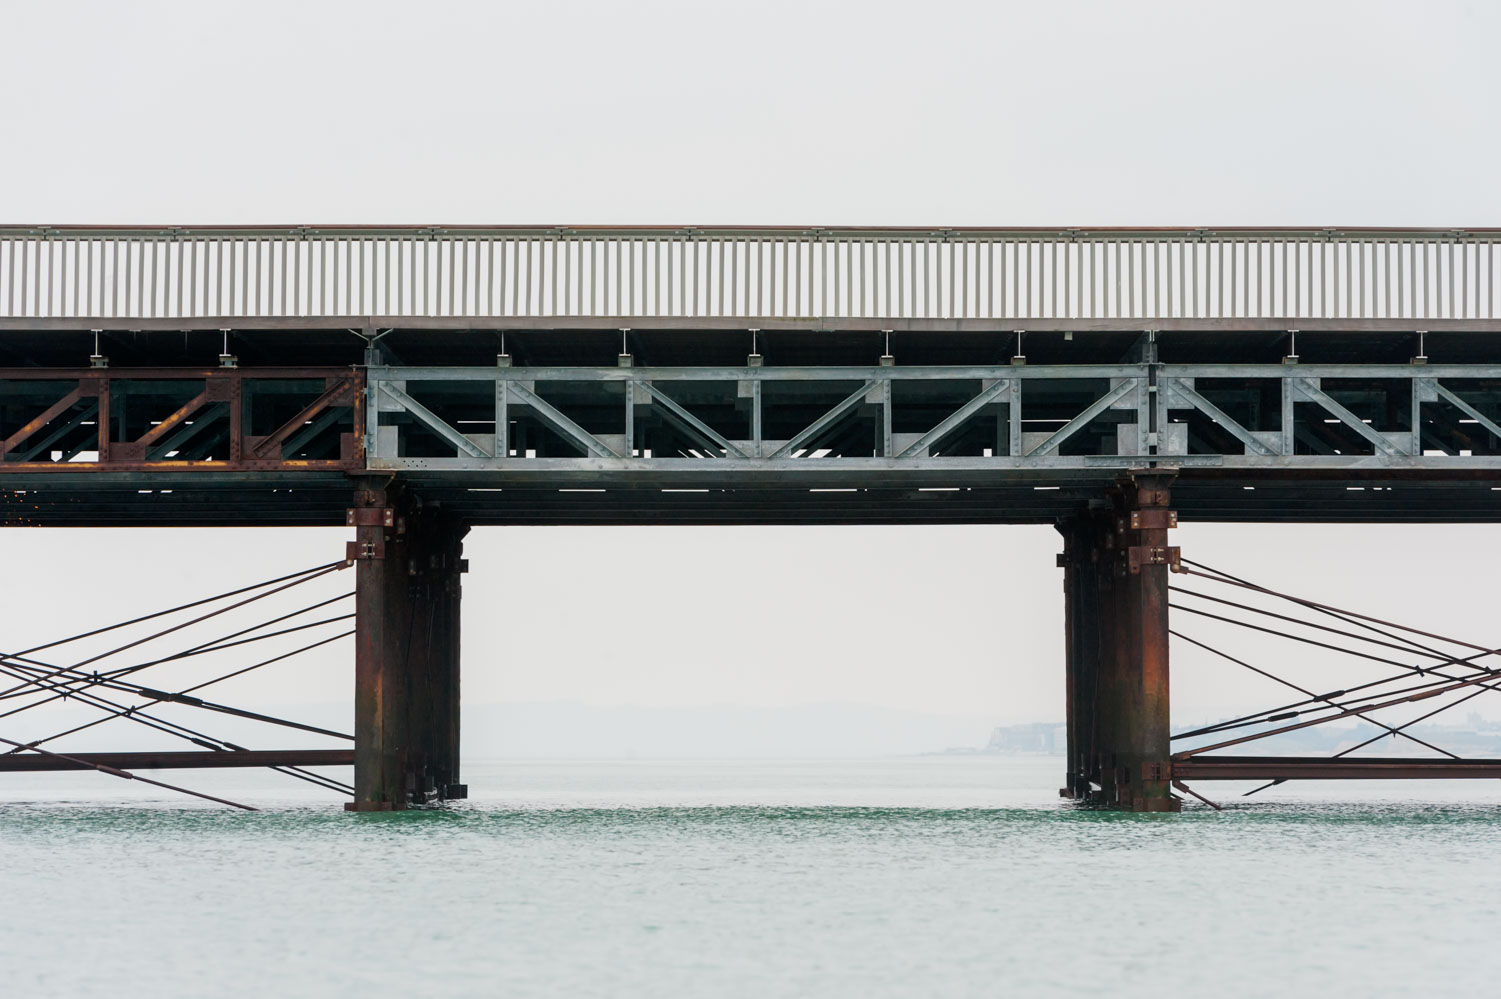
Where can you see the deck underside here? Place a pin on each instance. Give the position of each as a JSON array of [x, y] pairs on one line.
[[105, 499], [969, 436]]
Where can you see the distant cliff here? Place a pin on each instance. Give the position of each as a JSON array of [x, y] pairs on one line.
[[1475, 736], [1036, 737]]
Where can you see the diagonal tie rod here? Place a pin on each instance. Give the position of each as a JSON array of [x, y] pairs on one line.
[[180, 607], [1326, 698], [304, 578], [114, 709], [78, 680], [127, 775]]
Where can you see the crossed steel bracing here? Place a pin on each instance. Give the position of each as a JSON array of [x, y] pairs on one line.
[[1418, 666], [107, 681]]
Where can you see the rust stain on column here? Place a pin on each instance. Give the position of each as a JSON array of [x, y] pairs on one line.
[[1145, 748], [407, 609]]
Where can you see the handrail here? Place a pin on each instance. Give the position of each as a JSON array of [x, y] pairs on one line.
[[747, 271]]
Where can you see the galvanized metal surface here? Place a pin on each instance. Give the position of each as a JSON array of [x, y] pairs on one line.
[[933, 419], [747, 272]]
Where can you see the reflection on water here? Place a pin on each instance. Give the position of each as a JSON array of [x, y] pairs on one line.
[[935, 876]]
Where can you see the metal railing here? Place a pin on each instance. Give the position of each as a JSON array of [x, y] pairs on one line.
[[747, 272]]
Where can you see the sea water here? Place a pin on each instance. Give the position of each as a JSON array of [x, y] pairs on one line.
[[930, 876]]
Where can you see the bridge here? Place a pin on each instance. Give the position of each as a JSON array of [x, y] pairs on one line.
[[412, 382]]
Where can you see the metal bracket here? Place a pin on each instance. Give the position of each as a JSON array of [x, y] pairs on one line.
[[1162, 770], [1138, 556], [356, 551], [370, 516], [1153, 520]]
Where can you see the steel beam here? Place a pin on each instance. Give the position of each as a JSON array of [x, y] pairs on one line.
[[1096, 408], [219, 391], [1182, 389], [998, 392], [687, 422], [45, 417], [431, 420], [520, 395], [818, 426], [1324, 768], [1465, 408], [1309, 389], [186, 760]]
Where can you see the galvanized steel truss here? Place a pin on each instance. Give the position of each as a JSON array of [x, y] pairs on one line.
[[725, 422]]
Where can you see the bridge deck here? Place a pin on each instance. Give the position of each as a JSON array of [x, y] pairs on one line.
[[686, 375]]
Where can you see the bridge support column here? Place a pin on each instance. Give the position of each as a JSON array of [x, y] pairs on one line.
[[1116, 562], [406, 729], [1081, 609]]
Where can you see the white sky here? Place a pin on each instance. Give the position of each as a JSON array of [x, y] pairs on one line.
[[696, 113], [1270, 113]]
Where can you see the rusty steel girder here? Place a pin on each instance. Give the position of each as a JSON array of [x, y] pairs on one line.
[[181, 419], [178, 760], [1282, 768]]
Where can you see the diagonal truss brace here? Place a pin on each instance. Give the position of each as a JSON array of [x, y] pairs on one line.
[[520, 394], [206, 418], [313, 428], [51, 413], [1465, 407], [1182, 389], [999, 392], [184, 411], [693, 423], [827, 419], [433, 422], [1308, 389], [341, 393], [89, 412], [1104, 402]]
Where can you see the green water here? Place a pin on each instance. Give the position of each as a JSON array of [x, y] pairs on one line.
[[926, 877]]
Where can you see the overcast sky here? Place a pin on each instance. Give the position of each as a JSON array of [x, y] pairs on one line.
[[930, 113]]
